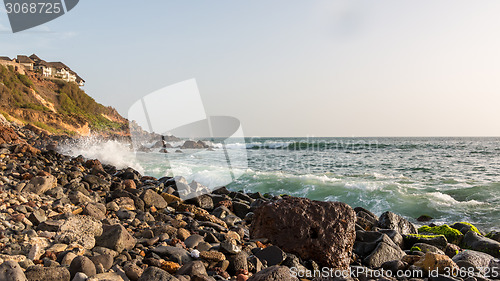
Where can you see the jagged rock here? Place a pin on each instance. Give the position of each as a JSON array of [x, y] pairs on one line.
[[426, 248], [322, 231], [436, 240], [115, 237], [389, 220]]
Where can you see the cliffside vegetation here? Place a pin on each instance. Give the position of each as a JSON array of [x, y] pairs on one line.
[[54, 105]]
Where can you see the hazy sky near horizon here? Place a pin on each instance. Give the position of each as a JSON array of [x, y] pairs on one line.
[[290, 67]]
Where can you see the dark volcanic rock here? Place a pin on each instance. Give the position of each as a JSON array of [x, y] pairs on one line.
[[151, 198], [272, 255], [192, 268], [477, 259], [383, 253], [389, 220], [321, 231]]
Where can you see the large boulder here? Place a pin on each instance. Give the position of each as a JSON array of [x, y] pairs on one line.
[[389, 220], [383, 253], [116, 237], [436, 262], [475, 258], [476, 242], [153, 199], [321, 231], [41, 184]]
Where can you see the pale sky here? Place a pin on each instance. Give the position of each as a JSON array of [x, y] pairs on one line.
[[291, 68]]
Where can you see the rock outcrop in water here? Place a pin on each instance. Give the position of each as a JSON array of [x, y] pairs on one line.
[[69, 218]]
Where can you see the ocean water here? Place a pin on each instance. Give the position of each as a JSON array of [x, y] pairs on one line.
[[449, 179]]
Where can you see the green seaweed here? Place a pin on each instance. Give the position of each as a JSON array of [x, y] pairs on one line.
[[416, 249], [424, 235], [451, 234]]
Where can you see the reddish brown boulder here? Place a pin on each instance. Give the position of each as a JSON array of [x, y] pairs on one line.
[[321, 231], [7, 135]]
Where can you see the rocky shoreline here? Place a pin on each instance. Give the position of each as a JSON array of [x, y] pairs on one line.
[[70, 218]]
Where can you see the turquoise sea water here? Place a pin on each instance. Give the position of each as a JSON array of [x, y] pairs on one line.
[[449, 179]]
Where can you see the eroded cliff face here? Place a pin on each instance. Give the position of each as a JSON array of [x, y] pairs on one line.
[[55, 106]]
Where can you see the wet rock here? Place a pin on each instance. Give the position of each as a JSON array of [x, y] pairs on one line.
[[273, 273], [38, 273], [115, 237], [322, 231], [82, 264], [389, 220], [11, 271], [156, 274]]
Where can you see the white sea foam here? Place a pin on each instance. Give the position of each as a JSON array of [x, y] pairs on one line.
[[110, 152]]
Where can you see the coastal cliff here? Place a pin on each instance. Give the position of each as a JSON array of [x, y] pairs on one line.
[[55, 106]]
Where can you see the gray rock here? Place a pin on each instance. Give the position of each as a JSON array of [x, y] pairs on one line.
[[192, 268], [38, 273], [116, 237], [274, 273], [153, 273], [237, 262], [151, 198], [477, 259], [175, 254], [37, 217], [241, 209], [389, 220], [479, 243], [81, 230], [229, 247], [272, 255], [438, 241], [105, 260], [11, 271], [80, 276], [133, 271], [41, 184], [82, 264], [108, 276], [426, 248], [383, 253], [193, 241]]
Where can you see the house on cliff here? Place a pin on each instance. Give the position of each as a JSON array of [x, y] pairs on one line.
[[25, 61]]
